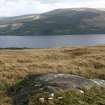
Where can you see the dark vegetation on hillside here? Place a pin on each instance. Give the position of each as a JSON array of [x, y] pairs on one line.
[[60, 21]]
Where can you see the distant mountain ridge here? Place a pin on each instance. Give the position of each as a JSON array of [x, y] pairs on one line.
[[56, 22]]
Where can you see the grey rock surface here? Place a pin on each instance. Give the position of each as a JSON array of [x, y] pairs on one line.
[[51, 83]]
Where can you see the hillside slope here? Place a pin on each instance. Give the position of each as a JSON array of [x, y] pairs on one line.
[[60, 21]]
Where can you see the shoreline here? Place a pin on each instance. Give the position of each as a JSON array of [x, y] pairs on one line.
[[67, 46]]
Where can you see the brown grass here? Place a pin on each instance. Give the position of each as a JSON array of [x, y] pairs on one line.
[[15, 64], [87, 61]]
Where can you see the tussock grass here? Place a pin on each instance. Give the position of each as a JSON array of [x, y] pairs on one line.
[[94, 96], [88, 61]]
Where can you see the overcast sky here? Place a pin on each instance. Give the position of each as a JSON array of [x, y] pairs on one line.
[[20, 7]]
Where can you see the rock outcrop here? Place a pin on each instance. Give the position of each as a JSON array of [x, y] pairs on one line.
[[51, 83]]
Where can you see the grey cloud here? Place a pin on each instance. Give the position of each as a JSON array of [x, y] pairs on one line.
[[19, 7], [58, 1]]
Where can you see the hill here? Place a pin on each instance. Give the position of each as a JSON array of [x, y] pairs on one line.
[[59, 21]]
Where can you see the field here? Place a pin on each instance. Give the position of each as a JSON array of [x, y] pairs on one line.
[[15, 64]]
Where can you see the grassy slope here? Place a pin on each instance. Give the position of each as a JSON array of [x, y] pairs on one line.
[[57, 22], [16, 64]]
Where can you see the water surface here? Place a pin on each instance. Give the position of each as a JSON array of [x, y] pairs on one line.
[[50, 41]]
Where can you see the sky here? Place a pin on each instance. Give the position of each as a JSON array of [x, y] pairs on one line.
[[21, 7]]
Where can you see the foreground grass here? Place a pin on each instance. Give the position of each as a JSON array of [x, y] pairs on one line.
[[86, 61], [24, 92], [18, 63], [94, 96]]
